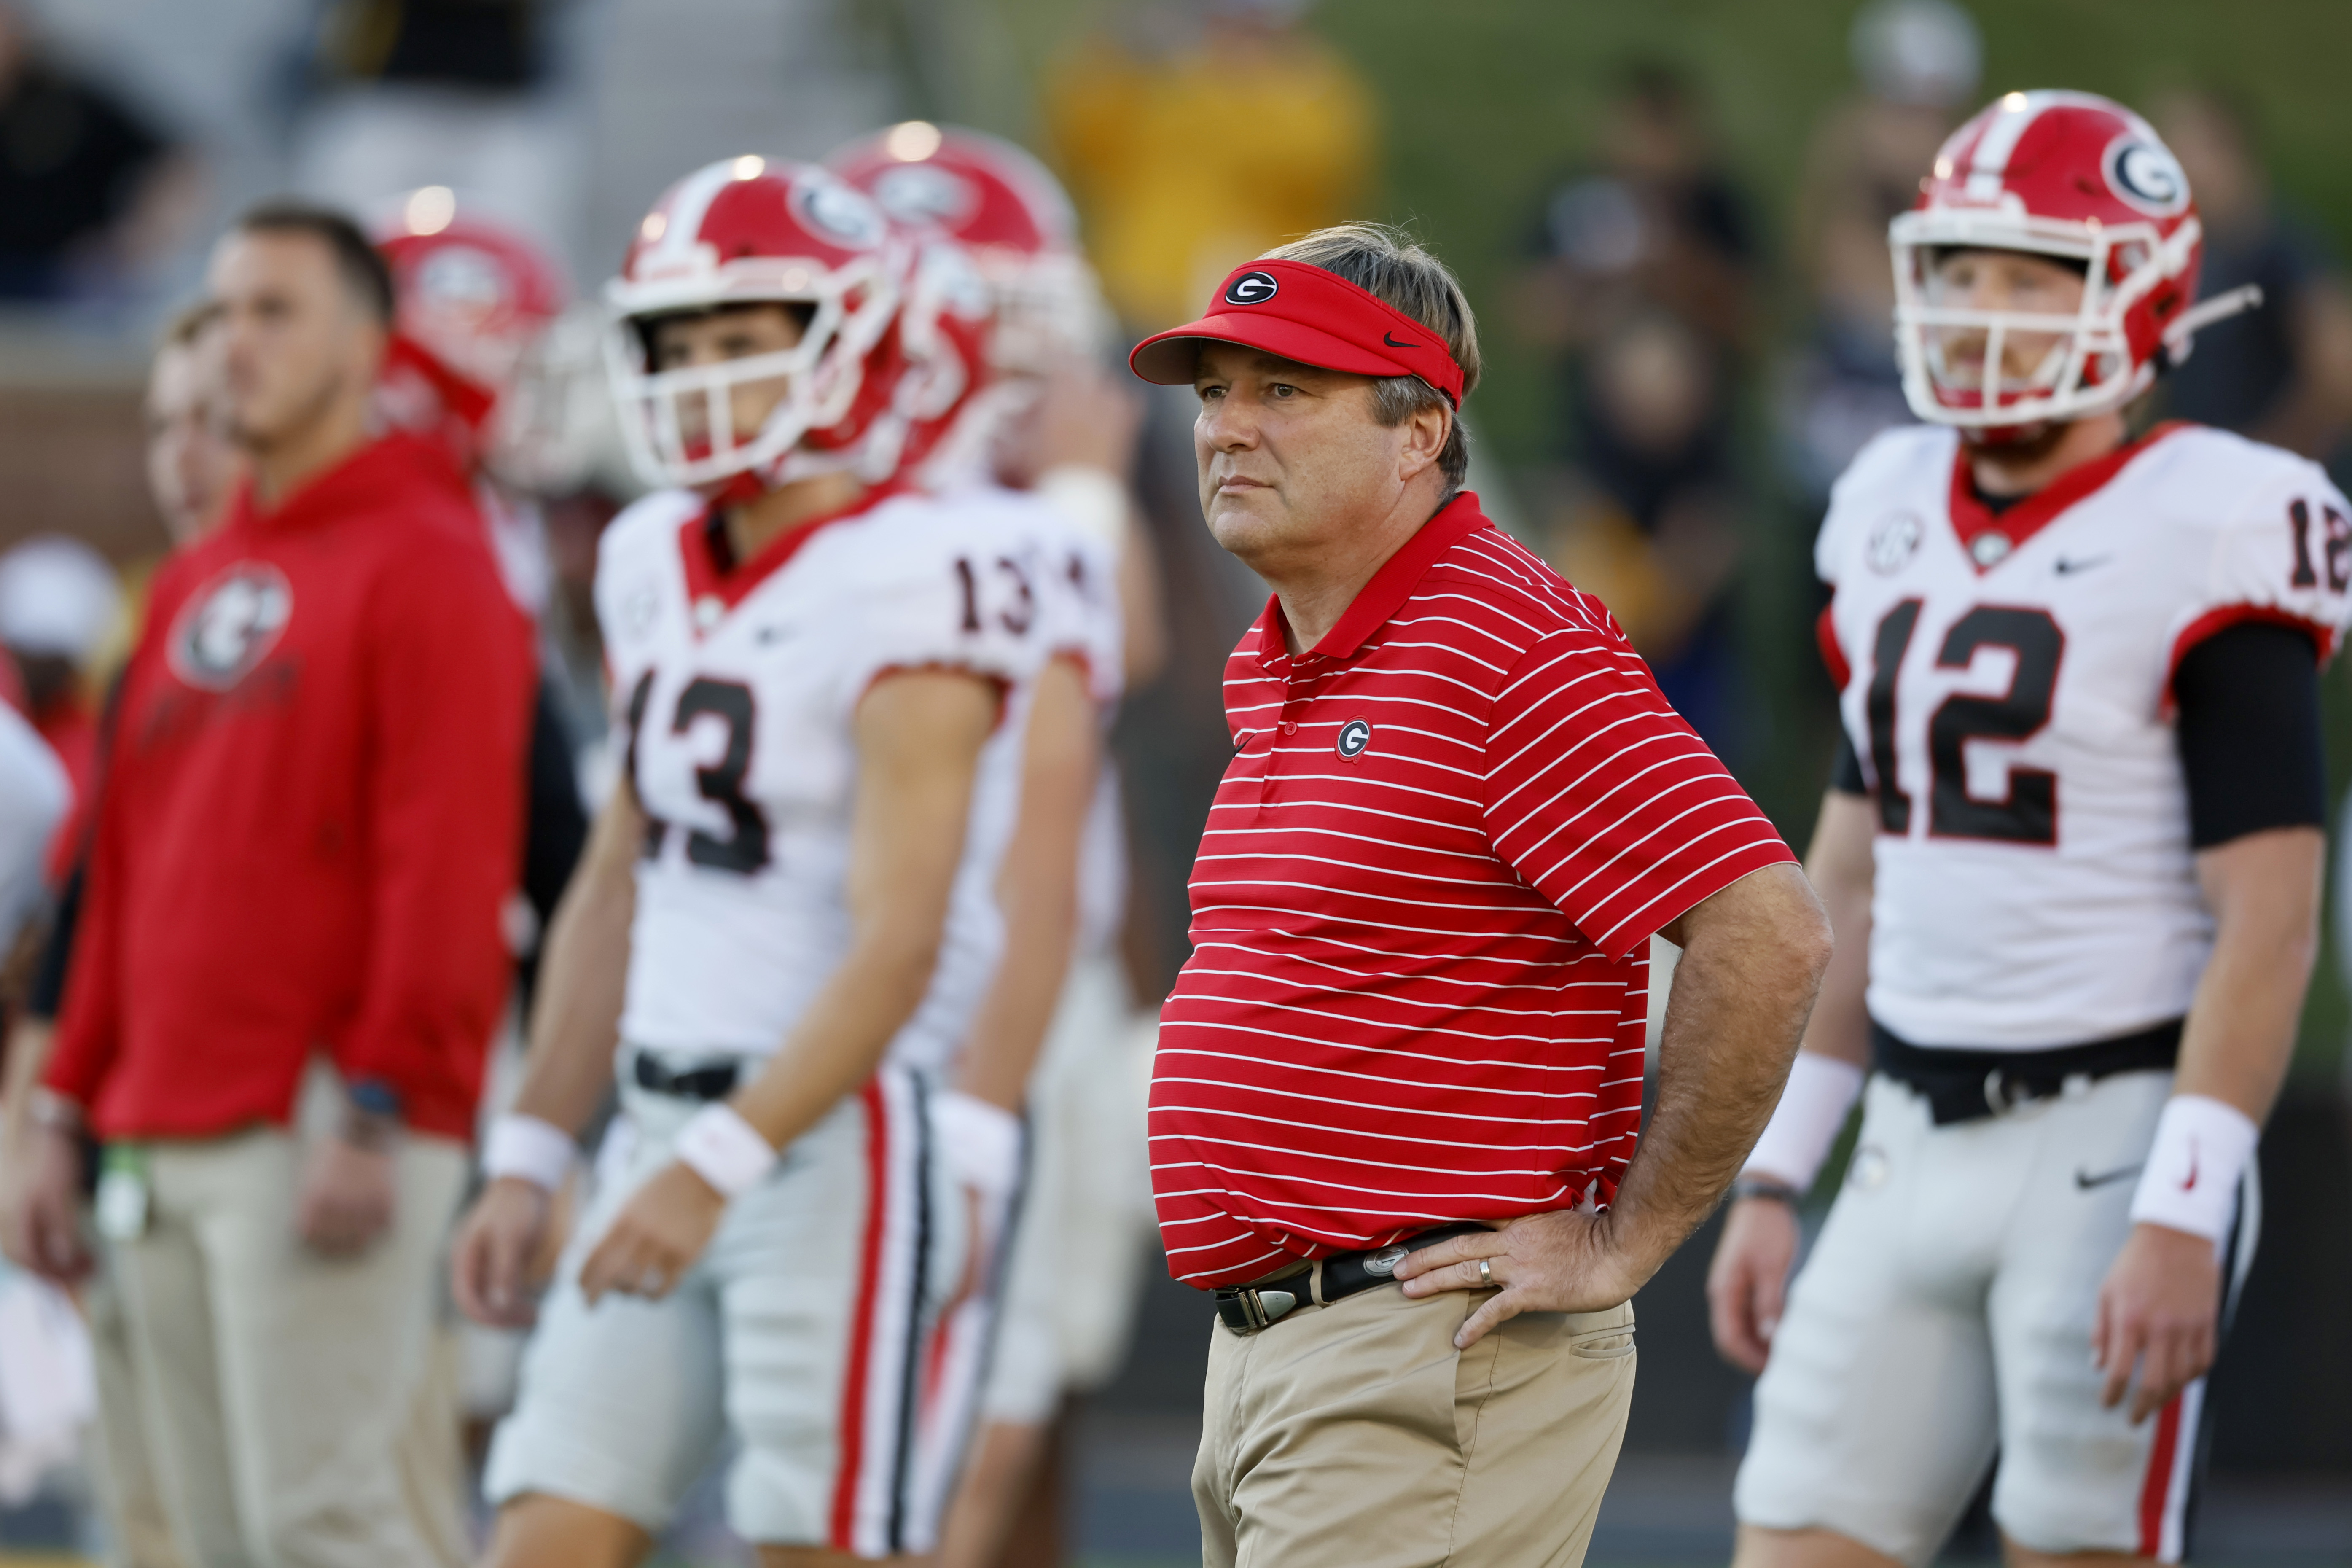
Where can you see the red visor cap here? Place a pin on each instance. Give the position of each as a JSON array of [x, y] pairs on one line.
[[1304, 313]]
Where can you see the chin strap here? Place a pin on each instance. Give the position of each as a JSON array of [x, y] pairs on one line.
[[2220, 306]]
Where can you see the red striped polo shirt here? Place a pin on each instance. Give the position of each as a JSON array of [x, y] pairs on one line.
[[1421, 914]]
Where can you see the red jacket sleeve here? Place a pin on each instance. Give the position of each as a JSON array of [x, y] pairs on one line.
[[89, 1019], [448, 688], [90, 1015]]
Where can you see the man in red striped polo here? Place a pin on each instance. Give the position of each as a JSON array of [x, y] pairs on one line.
[[1407, 1050]]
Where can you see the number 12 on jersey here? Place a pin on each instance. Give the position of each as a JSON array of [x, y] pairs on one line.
[[2029, 812]]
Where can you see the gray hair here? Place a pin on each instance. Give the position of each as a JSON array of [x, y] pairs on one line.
[[1387, 264]]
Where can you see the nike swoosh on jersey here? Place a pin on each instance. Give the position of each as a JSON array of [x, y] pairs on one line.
[[2085, 1181], [2067, 568], [774, 634]]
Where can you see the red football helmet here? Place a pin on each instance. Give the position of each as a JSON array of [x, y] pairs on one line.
[[1002, 206], [2080, 179], [751, 230], [472, 302]]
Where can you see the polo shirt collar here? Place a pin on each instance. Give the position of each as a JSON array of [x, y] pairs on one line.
[[1391, 586]]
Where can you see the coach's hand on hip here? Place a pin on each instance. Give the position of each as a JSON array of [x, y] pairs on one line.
[[1752, 959]]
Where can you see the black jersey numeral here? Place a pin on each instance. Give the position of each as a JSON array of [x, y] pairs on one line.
[[2335, 547], [2028, 813], [1018, 615], [655, 828], [1894, 632], [744, 850]]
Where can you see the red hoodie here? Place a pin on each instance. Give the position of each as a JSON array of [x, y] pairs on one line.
[[311, 814]]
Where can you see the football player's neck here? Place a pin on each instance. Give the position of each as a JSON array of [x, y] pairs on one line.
[[2021, 467], [754, 524]]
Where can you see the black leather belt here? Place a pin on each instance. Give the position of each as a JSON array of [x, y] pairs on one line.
[[711, 1081], [1248, 1309], [1970, 1086]]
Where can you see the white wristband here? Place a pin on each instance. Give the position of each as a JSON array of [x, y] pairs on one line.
[[724, 1150], [2190, 1180], [982, 1142], [1089, 496], [1810, 1115], [538, 1152]]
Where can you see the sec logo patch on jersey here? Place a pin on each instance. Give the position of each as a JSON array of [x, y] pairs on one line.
[[230, 626], [1893, 541]]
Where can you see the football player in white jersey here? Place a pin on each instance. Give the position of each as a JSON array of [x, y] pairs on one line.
[[784, 916], [2071, 853], [1057, 431]]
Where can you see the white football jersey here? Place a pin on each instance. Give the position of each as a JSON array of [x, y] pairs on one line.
[[2005, 681], [734, 694]]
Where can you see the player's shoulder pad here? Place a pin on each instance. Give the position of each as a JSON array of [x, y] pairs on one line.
[[636, 550], [1903, 465], [2266, 531], [948, 583], [647, 527]]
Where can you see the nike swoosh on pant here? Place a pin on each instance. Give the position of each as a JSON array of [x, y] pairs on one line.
[[2085, 1181]]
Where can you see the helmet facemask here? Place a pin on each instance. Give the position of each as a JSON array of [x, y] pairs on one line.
[[2073, 365], [680, 424]]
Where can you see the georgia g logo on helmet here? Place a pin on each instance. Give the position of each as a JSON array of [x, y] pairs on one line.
[[1251, 289], [2147, 176], [225, 630], [837, 211]]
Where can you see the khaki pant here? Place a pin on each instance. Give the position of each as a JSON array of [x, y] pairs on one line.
[[1355, 1436], [137, 1529], [280, 1388]]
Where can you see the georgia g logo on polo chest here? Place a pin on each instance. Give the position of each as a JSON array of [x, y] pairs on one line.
[[230, 624]]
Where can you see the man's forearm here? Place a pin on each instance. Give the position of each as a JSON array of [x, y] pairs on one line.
[[1038, 892], [2239, 1033], [583, 978], [28, 1052], [840, 1040], [1752, 961]]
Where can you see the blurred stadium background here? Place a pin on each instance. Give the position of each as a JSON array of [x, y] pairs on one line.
[[1667, 214]]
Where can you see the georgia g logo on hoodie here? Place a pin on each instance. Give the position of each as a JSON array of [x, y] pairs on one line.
[[230, 625]]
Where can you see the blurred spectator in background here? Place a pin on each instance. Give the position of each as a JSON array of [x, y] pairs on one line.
[[59, 602], [442, 92], [2284, 373], [89, 191], [1918, 61], [1643, 290], [290, 957], [192, 462], [1202, 141], [191, 468]]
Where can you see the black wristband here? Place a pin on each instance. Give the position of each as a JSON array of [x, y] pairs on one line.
[[1766, 1187]]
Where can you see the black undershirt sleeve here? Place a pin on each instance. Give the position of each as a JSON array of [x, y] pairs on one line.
[[1845, 773], [2249, 732]]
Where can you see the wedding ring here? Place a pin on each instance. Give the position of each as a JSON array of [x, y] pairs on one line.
[[650, 1282], [1486, 1275]]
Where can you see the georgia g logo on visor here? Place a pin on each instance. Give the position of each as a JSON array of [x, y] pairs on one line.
[[230, 626], [1252, 289], [1354, 736], [2147, 176]]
